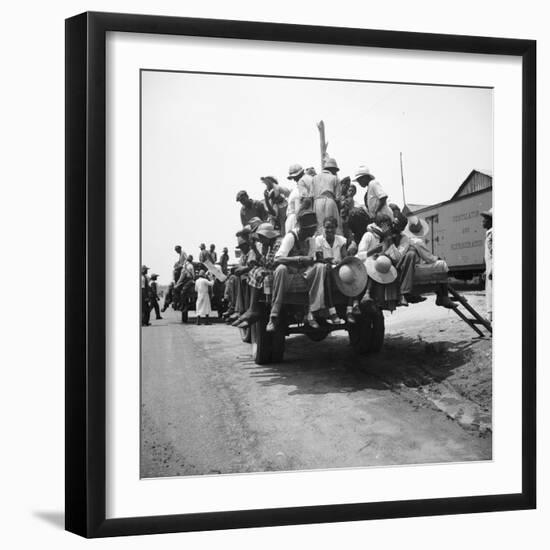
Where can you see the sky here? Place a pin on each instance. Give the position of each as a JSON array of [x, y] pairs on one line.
[[205, 137]]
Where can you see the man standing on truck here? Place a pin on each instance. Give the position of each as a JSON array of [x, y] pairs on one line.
[[295, 261], [326, 195], [488, 226], [375, 197]]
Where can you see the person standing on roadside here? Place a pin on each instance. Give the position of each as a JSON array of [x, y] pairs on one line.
[[224, 260], [145, 308], [488, 226], [154, 296], [202, 288]]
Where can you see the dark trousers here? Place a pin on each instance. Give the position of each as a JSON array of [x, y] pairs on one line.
[[405, 268], [156, 307], [145, 307]]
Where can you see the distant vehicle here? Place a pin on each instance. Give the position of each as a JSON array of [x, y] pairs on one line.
[[456, 232]]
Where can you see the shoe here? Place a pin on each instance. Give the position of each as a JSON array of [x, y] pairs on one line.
[[350, 318], [237, 322], [403, 302], [233, 317], [445, 301], [333, 319], [310, 320], [159, 318], [414, 298], [272, 325]]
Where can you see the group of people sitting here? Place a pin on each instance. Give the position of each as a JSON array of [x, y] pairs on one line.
[[315, 239]]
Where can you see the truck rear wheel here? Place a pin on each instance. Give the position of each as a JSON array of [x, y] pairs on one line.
[[360, 334], [262, 341], [377, 331]]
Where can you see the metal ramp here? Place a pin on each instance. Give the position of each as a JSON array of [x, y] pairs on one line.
[[476, 318]]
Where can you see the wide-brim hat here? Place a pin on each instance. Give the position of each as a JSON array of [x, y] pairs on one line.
[[154, 275], [331, 163], [350, 276], [267, 230], [144, 267], [362, 171], [381, 270], [417, 227], [294, 171], [488, 213]]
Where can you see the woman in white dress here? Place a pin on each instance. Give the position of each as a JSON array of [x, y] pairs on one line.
[[202, 288]]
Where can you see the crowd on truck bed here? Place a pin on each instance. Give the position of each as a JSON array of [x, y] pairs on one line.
[[310, 236]]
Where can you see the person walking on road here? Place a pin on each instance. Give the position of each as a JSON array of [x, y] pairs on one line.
[[202, 288], [488, 226], [145, 308], [154, 296]]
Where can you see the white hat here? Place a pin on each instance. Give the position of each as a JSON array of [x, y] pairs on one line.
[[381, 269], [362, 171], [294, 170], [417, 227], [488, 213]]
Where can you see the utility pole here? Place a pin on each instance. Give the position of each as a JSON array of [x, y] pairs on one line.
[[402, 178], [324, 144]]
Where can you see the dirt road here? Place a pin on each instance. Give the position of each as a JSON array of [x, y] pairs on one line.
[[208, 408]]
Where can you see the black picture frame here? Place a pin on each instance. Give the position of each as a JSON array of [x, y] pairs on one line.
[[86, 283]]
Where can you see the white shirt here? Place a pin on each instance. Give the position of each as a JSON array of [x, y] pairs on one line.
[[334, 251], [375, 193]]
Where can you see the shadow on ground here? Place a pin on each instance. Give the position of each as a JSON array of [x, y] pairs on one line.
[[331, 366]]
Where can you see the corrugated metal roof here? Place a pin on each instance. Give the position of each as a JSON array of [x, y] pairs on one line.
[[484, 172]]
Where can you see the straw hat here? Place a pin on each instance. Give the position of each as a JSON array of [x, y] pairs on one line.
[[294, 171], [362, 171], [381, 270], [417, 227], [144, 267], [350, 276], [331, 163], [267, 230]]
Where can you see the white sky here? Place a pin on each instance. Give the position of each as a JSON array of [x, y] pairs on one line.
[[205, 137]]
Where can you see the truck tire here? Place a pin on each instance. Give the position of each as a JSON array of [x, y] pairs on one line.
[[262, 341], [377, 331], [278, 343], [246, 334], [360, 334]]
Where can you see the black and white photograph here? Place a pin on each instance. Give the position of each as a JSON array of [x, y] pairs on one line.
[[316, 273]]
